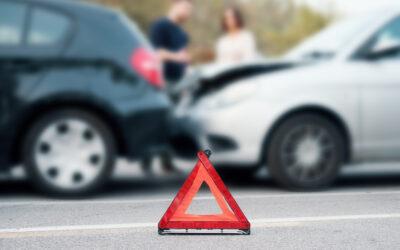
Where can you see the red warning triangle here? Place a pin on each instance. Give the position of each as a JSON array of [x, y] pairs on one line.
[[176, 216]]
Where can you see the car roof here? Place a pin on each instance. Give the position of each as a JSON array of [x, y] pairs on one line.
[[393, 11]]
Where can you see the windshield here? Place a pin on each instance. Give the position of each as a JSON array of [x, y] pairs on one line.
[[327, 43]]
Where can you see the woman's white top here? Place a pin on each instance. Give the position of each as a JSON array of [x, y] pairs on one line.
[[236, 48]]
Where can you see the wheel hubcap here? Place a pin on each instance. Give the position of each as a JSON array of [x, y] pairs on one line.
[[307, 152], [70, 153]]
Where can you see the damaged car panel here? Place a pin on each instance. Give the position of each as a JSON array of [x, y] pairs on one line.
[[305, 120], [210, 83], [75, 94]]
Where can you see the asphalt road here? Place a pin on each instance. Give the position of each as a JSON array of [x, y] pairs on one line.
[[362, 211]]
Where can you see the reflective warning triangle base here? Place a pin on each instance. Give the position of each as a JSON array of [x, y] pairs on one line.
[[176, 220]]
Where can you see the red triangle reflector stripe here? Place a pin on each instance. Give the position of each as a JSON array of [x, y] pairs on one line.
[[176, 216]]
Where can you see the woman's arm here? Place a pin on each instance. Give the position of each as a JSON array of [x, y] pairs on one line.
[[219, 57], [249, 47]]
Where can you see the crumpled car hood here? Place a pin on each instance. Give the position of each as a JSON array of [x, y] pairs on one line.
[[215, 77]]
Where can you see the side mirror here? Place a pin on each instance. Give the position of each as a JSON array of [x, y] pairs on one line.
[[384, 50]]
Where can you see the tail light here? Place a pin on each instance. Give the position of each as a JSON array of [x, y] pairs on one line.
[[147, 65]]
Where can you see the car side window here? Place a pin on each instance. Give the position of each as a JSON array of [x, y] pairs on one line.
[[47, 28], [12, 21], [389, 36]]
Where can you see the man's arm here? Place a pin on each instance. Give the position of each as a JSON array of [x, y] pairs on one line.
[[167, 55], [158, 38]]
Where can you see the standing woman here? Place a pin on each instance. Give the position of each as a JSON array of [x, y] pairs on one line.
[[237, 45]]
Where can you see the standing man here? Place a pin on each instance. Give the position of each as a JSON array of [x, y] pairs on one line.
[[171, 43]]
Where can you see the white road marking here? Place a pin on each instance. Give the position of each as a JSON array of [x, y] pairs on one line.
[[77, 228], [256, 223], [300, 220], [239, 197]]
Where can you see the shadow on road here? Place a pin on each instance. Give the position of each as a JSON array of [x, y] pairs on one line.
[[236, 180]]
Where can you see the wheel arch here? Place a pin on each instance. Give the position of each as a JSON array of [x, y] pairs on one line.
[[38, 110], [310, 109]]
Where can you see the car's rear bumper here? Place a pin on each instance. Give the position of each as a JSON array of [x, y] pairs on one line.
[[185, 137], [146, 133], [159, 130]]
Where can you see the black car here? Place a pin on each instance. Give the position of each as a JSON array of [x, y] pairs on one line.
[[79, 86]]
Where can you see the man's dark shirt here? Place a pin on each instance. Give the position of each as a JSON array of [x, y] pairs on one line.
[[165, 34]]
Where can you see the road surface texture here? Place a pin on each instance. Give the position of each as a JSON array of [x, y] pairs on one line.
[[361, 211]]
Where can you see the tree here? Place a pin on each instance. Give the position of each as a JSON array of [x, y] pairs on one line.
[[304, 22]]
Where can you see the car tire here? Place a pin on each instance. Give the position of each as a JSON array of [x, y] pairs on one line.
[[306, 152], [69, 152]]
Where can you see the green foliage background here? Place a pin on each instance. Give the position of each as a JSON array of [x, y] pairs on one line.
[[277, 24]]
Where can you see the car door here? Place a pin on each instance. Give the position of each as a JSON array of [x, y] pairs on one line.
[[380, 108], [13, 18], [32, 40]]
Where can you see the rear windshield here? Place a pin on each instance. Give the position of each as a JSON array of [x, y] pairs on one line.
[[132, 27]]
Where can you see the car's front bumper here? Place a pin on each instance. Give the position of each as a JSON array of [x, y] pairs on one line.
[[234, 134]]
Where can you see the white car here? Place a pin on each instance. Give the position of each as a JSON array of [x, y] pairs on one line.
[[334, 99]]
